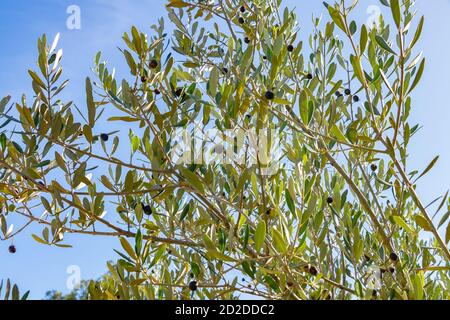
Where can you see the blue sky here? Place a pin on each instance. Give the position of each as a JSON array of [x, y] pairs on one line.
[[41, 268]]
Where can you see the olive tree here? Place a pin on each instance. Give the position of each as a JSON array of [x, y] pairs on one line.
[[315, 198]]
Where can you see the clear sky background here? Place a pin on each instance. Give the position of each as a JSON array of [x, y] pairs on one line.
[[39, 268]]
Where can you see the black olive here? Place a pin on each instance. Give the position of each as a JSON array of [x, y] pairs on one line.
[[156, 91], [309, 76], [241, 20], [394, 257], [242, 9], [313, 271], [374, 167], [247, 40], [330, 200], [147, 209], [153, 64], [269, 95], [348, 92], [355, 98], [290, 48], [104, 137], [12, 249], [193, 286], [178, 92]]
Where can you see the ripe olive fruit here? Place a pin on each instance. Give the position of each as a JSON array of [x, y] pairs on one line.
[[269, 95], [104, 137], [193, 286], [153, 64]]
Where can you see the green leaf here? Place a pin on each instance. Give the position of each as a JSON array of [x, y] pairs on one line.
[[304, 109], [418, 33], [36, 78], [289, 201], [395, 8], [135, 143], [39, 240], [337, 18], [161, 251], [352, 132], [4, 102], [357, 68], [131, 63], [402, 223], [279, 241], [128, 248], [104, 179], [444, 219], [363, 39], [220, 256], [17, 147], [260, 235], [337, 133], [177, 4], [353, 27], [61, 163], [25, 296], [15, 293], [193, 179], [278, 45], [383, 44], [186, 210], [138, 242], [43, 164], [212, 84], [436, 268], [90, 103], [418, 76], [447, 234], [422, 222], [429, 167], [125, 119], [246, 236]]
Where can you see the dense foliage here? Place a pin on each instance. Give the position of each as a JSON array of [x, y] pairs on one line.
[[333, 214]]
